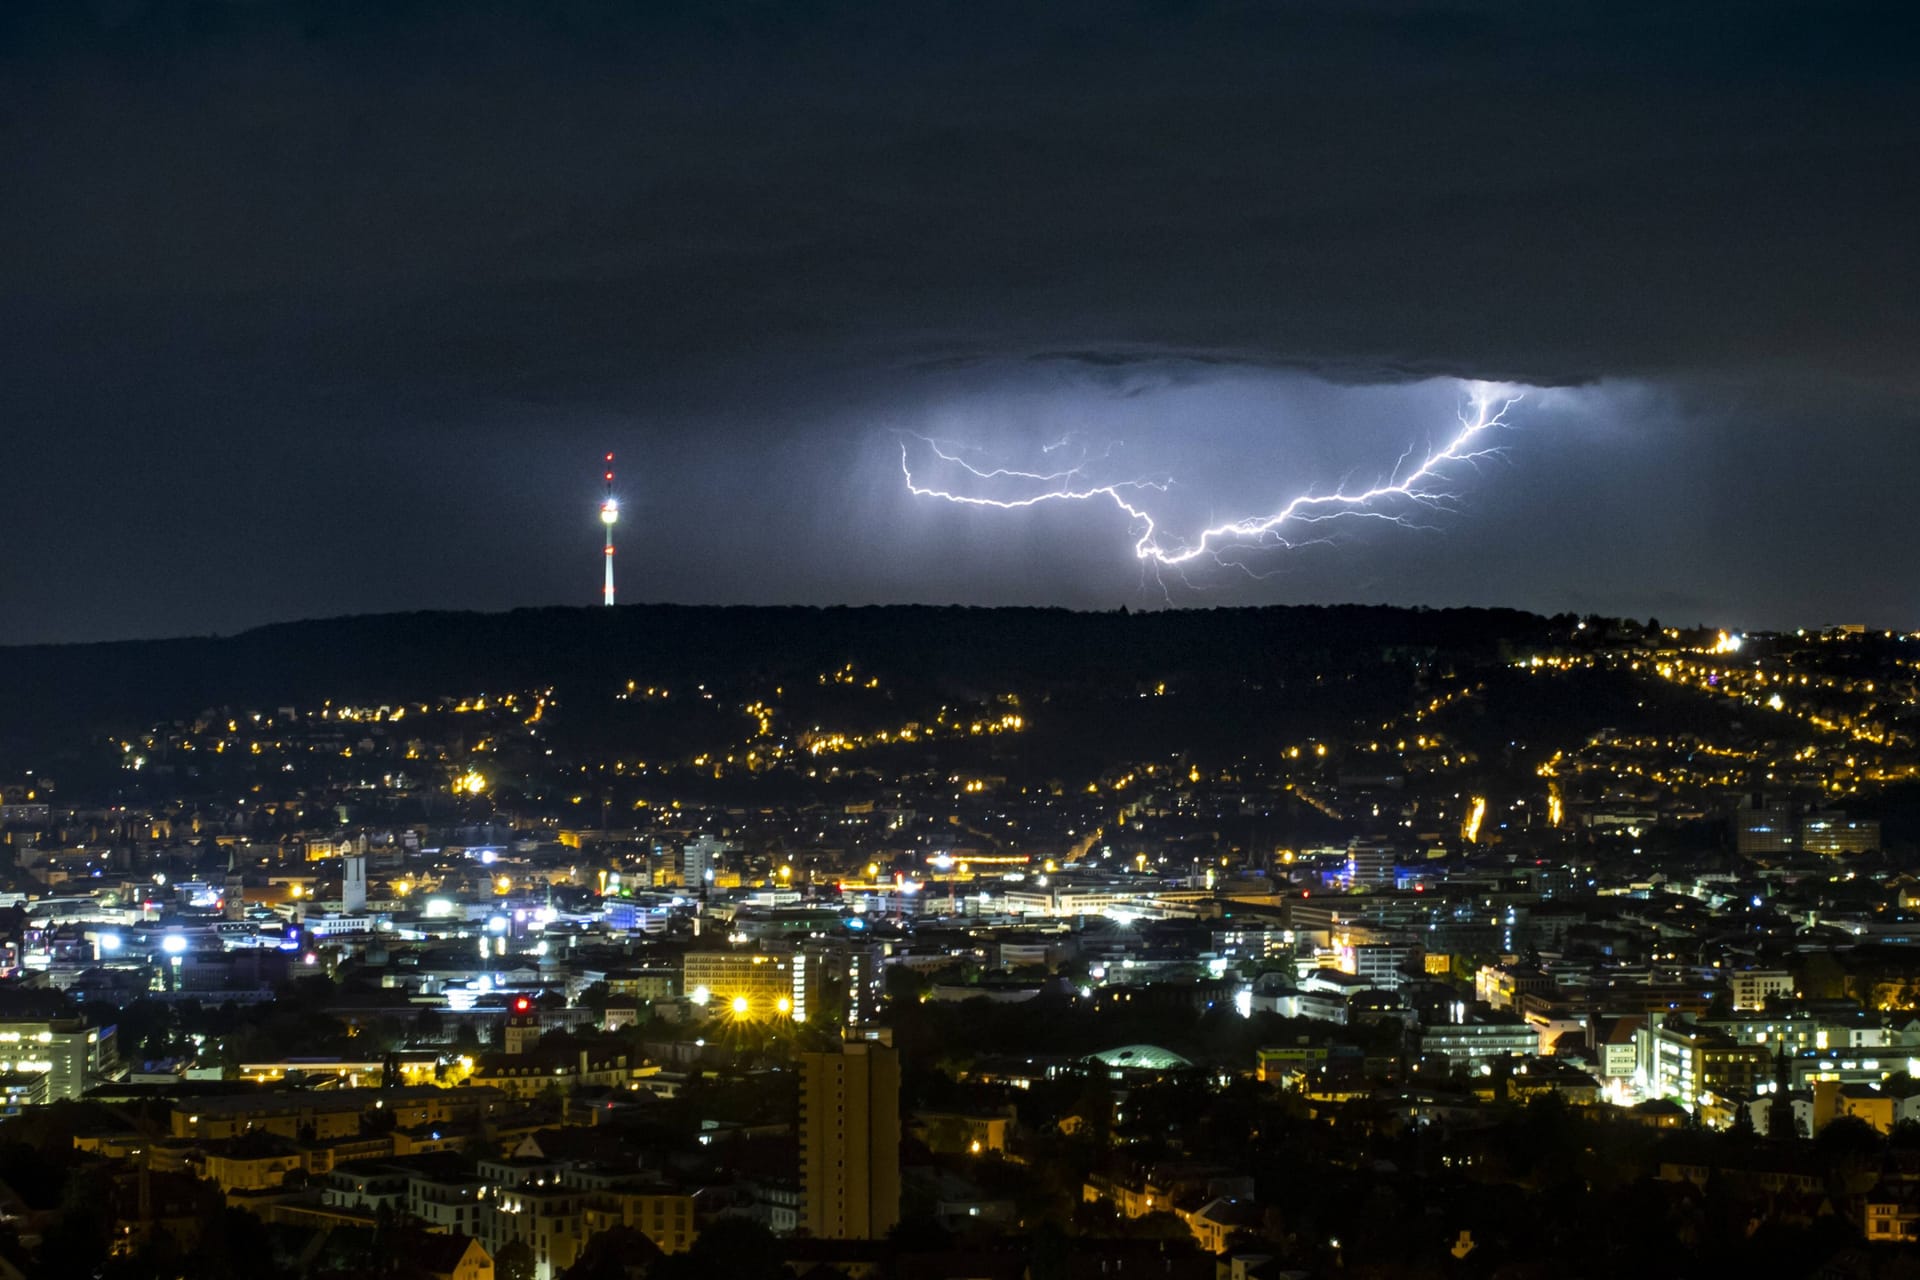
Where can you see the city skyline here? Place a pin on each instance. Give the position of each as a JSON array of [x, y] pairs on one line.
[[805, 639]]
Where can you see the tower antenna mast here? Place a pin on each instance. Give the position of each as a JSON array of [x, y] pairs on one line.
[[609, 516]]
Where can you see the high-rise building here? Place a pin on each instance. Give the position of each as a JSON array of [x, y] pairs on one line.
[[832, 963], [1831, 832], [1763, 825], [1370, 862], [233, 893], [698, 858], [353, 884], [1752, 988], [748, 983], [64, 1058], [850, 1141], [1689, 1063]]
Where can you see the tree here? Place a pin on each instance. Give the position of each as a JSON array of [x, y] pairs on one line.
[[1158, 1225], [618, 1253], [1847, 1139], [233, 1244], [904, 985], [738, 1248], [920, 1233], [515, 1261], [76, 1242]]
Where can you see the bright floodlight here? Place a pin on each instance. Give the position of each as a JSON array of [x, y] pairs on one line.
[[609, 511], [173, 944], [739, 1004]]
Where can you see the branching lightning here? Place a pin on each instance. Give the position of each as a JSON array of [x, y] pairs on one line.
[[1417, 486]]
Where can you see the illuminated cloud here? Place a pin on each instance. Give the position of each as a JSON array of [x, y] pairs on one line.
[[275, 266]]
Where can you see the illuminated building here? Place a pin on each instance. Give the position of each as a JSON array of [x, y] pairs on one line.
[[1687, 1062], [962, 1133], [550, 1220], [353, 884], [1502, 986], [330, 925], [1066, 900], [1476, 1044], [1765, 826], [445, 1203], [1835, 833], [1380, 964], [523, 1027], [663, 1215], [699, 860], [769, 984], [66, 1058], [638, 915], [1370, 862], [1274, 1066], [328, 1114], [534, 1075], [1892, 1211], [850, 1141], [1253, 943], [1753, 987], [448, 1257], [851, 967]]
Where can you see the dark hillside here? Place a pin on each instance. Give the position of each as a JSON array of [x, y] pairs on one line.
[[54, 696]]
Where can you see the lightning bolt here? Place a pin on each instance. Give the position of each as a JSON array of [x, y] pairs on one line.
[[1485, 411]]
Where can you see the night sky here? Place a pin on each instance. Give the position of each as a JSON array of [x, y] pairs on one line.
[[312, 309]]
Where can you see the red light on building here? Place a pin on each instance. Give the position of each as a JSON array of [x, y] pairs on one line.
[[521, 1004]]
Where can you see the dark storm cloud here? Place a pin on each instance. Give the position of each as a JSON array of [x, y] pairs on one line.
[[313, 308]]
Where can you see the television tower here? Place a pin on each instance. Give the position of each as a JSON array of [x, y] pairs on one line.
[[609, 516]]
